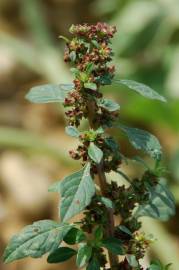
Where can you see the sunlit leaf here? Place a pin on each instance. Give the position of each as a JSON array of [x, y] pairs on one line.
[[35, 240], [95, 153], [141, 88], [49, 93], [107, 202], [109, 105], [84, 254], [132, 260], [143, 140], [72, 131], [76, 192]]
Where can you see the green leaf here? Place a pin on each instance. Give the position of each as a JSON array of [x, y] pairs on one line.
[[161, 205], [108, 104], [111, 143], [132, 260], [83, 77], [143, 140], [61, 254], [91, 86], [72, 131], [84, 255], [100, 130], [98, 234], [95, 153], [74, 236], [76, 192], [35, 240], [124, 229], [89, 68], [75, 72], [95, 43], [141, 88], [93, 264], [49, 93], [114, 245], [105, 79], [107, 202]]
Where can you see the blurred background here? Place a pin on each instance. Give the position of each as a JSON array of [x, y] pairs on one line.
[[33, 145]]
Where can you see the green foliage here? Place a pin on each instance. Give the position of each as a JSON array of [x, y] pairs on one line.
[[132, 260], [74, 236], [98, 234], [142, 89], [35, 240], [109, 105], [49, 93], [95, 153], [91, 86], [114, 245], [72, 131], [61, 254], [107, 202], [161, 205], [76, 192], [84, 255], [90, 68], [124, 229], [144, 141], [94, 264]]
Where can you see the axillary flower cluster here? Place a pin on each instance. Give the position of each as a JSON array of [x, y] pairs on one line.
[[111, 211]]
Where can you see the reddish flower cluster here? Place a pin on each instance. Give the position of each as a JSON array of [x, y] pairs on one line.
[[89, 53], [99, 30], [77, 108]]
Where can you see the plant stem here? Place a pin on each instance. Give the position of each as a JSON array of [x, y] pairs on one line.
[[110, 226]]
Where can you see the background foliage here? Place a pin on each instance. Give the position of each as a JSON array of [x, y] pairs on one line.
[[32, 140]]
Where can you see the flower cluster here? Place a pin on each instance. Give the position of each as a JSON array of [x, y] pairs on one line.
[[100, 30], [138, 192], [75, 101], [111, 151], [89, 53]]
